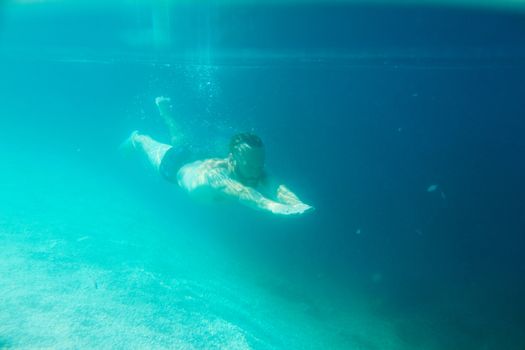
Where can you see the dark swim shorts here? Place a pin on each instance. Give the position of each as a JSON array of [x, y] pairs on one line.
[[173, 160]]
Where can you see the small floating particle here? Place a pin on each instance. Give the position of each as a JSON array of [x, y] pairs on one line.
[[432, 188], [358, 231]]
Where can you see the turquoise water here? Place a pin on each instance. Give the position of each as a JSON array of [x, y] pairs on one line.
[[88, 262], [401, 125]]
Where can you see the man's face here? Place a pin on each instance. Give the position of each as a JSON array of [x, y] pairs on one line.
[[249, 162]]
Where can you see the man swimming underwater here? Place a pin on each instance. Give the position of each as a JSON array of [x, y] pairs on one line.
[[240, 176]]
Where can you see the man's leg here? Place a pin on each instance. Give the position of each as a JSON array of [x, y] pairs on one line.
[[153, 150], [164, 106]]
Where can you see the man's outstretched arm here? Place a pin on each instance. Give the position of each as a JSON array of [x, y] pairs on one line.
[[254, 199]]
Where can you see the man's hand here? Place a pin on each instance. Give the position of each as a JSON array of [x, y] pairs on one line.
[[292, 203], [285, 196], [289, 209]]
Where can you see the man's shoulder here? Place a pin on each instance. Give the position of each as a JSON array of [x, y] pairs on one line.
[[205, 165], [204, 172], [216, 163]]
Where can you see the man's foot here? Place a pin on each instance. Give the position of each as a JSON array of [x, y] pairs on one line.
[[164, 105], [128, 146]]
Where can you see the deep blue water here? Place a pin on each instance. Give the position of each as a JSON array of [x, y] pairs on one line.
[[361, 108]]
